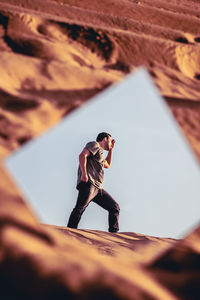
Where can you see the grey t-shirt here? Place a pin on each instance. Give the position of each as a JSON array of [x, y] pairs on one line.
[[94, 166]]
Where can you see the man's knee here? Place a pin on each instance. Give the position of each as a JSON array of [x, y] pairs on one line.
[[118, 208], [115, 209]]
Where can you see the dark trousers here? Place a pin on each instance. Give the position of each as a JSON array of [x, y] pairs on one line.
[[88, 192]]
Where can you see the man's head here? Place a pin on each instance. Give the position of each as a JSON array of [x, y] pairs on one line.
[[104, 139]]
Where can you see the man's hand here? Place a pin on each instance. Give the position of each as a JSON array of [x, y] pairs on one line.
[[84, 178], [108, 160], [112, 143]]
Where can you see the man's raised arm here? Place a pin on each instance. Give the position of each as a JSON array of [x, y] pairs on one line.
[[83, 162]]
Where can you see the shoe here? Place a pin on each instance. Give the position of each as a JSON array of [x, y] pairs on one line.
[[113, 230]]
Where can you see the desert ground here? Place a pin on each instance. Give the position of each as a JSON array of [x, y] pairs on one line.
[[54, 56]]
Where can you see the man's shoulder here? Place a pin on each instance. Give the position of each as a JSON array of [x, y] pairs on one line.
[[92, 144], [93, 147]]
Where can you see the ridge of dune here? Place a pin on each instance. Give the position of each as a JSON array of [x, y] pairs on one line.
[[115, 244]]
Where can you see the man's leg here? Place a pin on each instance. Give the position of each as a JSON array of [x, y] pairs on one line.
[[107, 202], [86, 193]]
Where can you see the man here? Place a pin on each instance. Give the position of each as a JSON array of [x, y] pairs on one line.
[[90, 179]]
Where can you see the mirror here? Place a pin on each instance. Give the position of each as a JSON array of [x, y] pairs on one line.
[[154, 174]]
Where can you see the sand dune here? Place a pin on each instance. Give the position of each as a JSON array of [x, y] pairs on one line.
[[55, 55]]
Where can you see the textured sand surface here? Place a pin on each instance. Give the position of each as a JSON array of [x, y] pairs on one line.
[[55, 55]]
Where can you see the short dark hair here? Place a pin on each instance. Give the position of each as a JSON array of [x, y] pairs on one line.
[[102, 135]]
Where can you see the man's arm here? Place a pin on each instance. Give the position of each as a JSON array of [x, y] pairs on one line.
[[108, 159], [83, 162]]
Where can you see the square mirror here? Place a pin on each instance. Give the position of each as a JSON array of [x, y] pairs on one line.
[[154, 174]]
